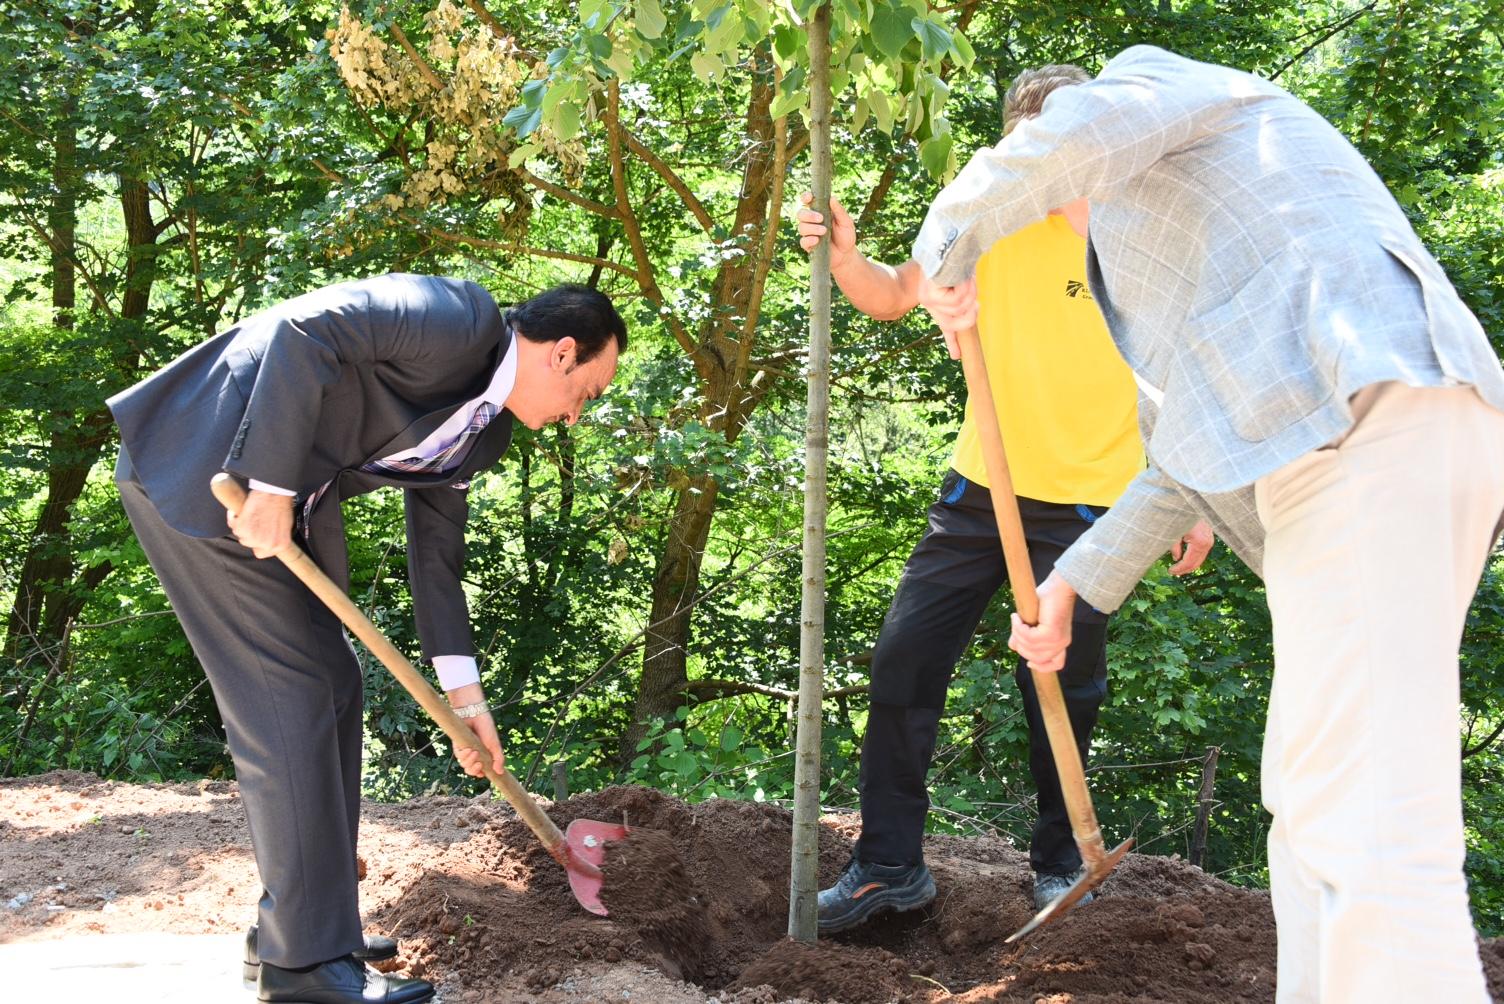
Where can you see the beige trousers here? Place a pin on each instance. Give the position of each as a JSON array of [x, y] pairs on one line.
[[1375, 547]]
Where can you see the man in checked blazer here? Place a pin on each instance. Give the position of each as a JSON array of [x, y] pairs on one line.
[[405, 381], [1311, 384]]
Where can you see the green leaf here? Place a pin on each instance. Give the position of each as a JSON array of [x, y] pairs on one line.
[[786, 103], [591, 11], [731, 738], [934, 40], [566, 120], [935, 155], [523, 119], [650, 19], [522, 153], [882, 109], [891, 29], [620, 62], [533, 92], [961, 48], [599, 45], [705, 66], [786, 41]]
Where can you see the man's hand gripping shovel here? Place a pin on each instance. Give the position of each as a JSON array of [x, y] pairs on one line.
[[1097, 861], [580, 849]]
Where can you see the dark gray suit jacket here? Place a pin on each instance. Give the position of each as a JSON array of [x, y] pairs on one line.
[[309, 391]]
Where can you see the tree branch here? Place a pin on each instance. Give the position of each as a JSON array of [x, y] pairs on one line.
[[1485, 744], [599, 208], [667, 174], [424, 69], [769, 239], [482, 242], [715, 690], [644, 275], [1341, 24]]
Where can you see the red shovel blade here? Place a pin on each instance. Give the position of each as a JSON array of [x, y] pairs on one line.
[[586, 841]]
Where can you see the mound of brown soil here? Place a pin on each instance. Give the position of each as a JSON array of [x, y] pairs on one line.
[[698, 897]]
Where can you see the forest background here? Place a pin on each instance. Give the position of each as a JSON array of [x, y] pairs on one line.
[[169, 166]]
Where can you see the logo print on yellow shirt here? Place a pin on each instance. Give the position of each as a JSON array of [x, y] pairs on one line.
[[1075, 287]]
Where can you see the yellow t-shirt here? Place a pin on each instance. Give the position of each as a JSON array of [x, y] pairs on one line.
[[1065, 399]]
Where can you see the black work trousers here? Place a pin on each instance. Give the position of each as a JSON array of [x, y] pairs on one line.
[[953, 573]]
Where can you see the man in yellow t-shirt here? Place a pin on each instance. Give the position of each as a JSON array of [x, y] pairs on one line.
[[1067, 406]]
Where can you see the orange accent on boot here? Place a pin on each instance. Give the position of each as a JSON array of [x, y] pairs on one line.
[[864, 890]]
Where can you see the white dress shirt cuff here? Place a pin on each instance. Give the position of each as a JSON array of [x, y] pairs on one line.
[[455, 671], [262, 486]]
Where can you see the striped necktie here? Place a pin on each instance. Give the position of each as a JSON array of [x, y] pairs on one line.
[[447, 459]]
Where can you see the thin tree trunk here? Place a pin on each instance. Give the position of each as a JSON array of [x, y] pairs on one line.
[[660, 690], [47, 596], [727, 404], [805, 863], [23, 632]]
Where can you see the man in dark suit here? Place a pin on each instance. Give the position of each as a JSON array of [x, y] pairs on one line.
[[405, 381]]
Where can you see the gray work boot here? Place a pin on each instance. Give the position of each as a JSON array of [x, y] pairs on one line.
[[865, 889], [1048, 888]]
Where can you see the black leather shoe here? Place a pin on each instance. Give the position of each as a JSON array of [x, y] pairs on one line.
[[376, 949], [338, 981]]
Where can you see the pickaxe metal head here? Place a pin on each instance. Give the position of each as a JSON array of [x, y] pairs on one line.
[[1091, 877]]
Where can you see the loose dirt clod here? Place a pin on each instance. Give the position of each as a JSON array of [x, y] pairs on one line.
[[485, 912], [828, 970], [647, 889]]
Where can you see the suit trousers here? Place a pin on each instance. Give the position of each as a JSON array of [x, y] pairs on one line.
[[289, 691], [1375, 546], [946, 585]]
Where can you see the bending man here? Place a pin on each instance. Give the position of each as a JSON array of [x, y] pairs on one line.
[[404, 381]]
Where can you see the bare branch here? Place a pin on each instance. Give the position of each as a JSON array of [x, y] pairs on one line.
[[1485, 744], [424, 69], [1340, 25], [488, 19], [673, 180], [715, 690], [481, 242], [645, 278], [599, 208], [769, 239]]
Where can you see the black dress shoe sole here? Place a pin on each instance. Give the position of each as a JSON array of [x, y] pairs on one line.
[[405, 1000], [250, 973]]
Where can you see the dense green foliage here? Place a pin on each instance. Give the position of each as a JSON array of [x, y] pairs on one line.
[[167, 166]]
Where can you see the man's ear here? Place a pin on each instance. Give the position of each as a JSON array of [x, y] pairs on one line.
[[563, 354]]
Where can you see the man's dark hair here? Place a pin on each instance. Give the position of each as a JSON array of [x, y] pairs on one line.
[[571, 310]]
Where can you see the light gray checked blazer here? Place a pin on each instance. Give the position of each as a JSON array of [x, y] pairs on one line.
[[1251, 267]]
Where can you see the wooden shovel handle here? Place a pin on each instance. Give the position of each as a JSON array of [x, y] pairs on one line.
[[1057, 721], [232, 496]]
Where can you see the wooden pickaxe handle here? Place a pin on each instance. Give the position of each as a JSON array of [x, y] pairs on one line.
[[232, 496], [1057, 721]]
